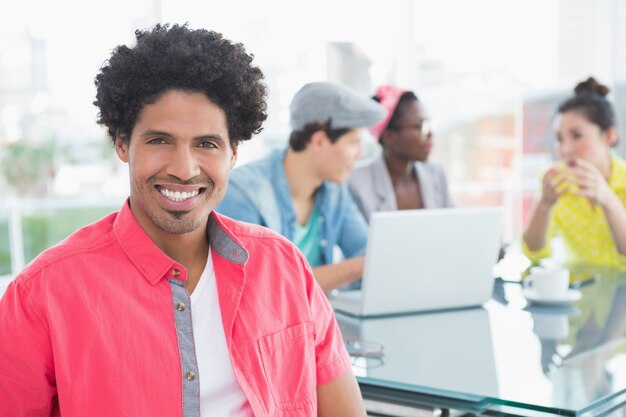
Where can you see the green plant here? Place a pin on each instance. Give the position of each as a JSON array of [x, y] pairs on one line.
[[28, 167]]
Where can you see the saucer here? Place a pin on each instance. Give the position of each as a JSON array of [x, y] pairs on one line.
[[565, 309], [570, 296]]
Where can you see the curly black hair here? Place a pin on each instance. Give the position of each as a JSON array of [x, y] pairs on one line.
[[178, 58]]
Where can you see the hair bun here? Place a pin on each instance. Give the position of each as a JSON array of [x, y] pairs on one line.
[[590, 86]]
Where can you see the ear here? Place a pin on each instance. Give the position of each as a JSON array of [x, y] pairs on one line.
[[318, 140], [233, 157], [611, 136], [121, 147]]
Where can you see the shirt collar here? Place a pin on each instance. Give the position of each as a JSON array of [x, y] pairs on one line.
[[153, 263], [223, 241]]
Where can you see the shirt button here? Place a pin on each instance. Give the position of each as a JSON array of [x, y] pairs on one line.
[[191, 375], [323, 242], [181, 307], [321, 220], [175, 272]]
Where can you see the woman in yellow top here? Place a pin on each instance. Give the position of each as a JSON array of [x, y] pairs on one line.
[[584, 193]]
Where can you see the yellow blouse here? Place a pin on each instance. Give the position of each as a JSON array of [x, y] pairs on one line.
[[583, 227]]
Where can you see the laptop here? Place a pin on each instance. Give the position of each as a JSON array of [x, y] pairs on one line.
[[425, 260]]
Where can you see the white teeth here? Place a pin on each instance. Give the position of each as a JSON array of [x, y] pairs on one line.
[[177, 195]]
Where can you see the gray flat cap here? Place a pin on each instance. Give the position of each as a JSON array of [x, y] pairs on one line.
[[320, 102]]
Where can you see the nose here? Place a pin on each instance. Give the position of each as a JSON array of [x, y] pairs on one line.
[[183, 164], [565, 149]]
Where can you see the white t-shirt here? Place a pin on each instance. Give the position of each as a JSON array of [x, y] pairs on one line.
[[220, 393]]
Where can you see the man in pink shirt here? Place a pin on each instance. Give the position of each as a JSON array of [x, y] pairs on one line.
[[166, 308]]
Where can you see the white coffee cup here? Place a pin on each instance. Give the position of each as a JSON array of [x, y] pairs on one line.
[[548, 283]]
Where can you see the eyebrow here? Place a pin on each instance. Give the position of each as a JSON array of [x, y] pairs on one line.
[[169, 135]]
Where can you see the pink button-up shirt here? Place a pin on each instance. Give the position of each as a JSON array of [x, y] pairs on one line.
[[100, 325]]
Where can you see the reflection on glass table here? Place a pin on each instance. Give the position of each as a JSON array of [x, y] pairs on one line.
[[507, 357], [430, 336]]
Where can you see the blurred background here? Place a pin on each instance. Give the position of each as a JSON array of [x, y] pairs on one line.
[[490, 73]]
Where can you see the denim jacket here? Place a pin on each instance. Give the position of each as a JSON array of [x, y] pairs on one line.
[[258, 192]]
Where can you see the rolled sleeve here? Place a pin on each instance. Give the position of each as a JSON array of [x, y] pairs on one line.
[[332, 360], [536, 255]]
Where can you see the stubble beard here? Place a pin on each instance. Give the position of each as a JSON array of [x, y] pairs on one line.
[[179, 222], [176, 223]]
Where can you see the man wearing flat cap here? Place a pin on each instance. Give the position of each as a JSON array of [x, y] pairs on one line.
[[300, 191]]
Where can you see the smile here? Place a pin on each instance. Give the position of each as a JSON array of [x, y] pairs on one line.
[[178, 196]]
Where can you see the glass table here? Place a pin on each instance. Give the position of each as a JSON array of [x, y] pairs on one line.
[[508, 357]]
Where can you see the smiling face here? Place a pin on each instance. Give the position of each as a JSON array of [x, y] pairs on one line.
[[578, 137], [410, 138], [179, 157]]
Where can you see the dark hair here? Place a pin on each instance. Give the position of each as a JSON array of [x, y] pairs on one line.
[[398, 112], [590, 99], [179, 58], [299, 139]]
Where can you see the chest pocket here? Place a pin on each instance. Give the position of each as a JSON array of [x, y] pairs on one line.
[[289, 364]]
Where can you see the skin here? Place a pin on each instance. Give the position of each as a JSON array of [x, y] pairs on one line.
[[323, 160], [335, 160], [584, 169], [180, 143], [340, 398], [402, 146]]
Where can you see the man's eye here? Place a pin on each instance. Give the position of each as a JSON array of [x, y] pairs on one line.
[[208, 145], [156, 141]]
